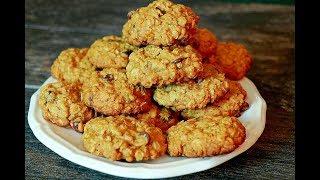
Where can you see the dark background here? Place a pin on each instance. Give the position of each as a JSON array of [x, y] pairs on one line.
[[285, 2], [266, 29]]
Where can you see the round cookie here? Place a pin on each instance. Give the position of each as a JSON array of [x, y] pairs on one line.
[[205, 136], [234, 59], [160, 117], [158, 66], [160, 23], [110, 52], [61, 105], [71, 66], [205, 42], [192, 95], [109, 93], [232, 104], [123, 137]]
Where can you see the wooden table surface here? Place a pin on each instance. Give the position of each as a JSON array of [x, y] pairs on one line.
[[267, 30]]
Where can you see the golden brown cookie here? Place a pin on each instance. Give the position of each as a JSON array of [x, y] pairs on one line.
[[160, 117], [158, 66], [192, 95], [209, 70], [71, 66], [123, 137], [205, 136], [110, 52], [205, 42], [109, 93], [61, 105], [160, 23], [234, 59], [232, 104]]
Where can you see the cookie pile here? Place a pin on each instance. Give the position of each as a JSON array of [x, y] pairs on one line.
[[165, 86]]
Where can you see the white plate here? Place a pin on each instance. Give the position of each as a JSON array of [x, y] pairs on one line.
[[67, 143]]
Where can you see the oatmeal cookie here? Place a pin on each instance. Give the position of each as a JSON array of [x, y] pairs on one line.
[[234, 60], [123, 137], [205, 42], [156, 66], [160, 117], [110, 52], [232, 104], [209, 70], [160, 23], [192, 95], [205, 136], [61, 105], [109, 93], [71, 66]]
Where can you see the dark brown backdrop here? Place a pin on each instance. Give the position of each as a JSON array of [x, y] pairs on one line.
[[266, 29]]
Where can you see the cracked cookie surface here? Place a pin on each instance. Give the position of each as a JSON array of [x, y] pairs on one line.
[[61, 105], [231, 104], [192, 95], [123, 138], [205, 42], [156, 66], [205, 136], [234, 59], [110, 52], [109, 93], [71, 66], [160, 23], [160, 117]]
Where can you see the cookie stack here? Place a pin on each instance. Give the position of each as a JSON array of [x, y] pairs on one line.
[[165, 86]]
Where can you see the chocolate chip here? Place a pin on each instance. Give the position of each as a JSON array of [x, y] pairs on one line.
[[144, 44], [163, 12], [139, 87], [128, 52], [98, 69], [109, 77]]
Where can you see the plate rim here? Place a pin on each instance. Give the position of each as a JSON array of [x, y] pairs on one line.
[[142, 170]]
